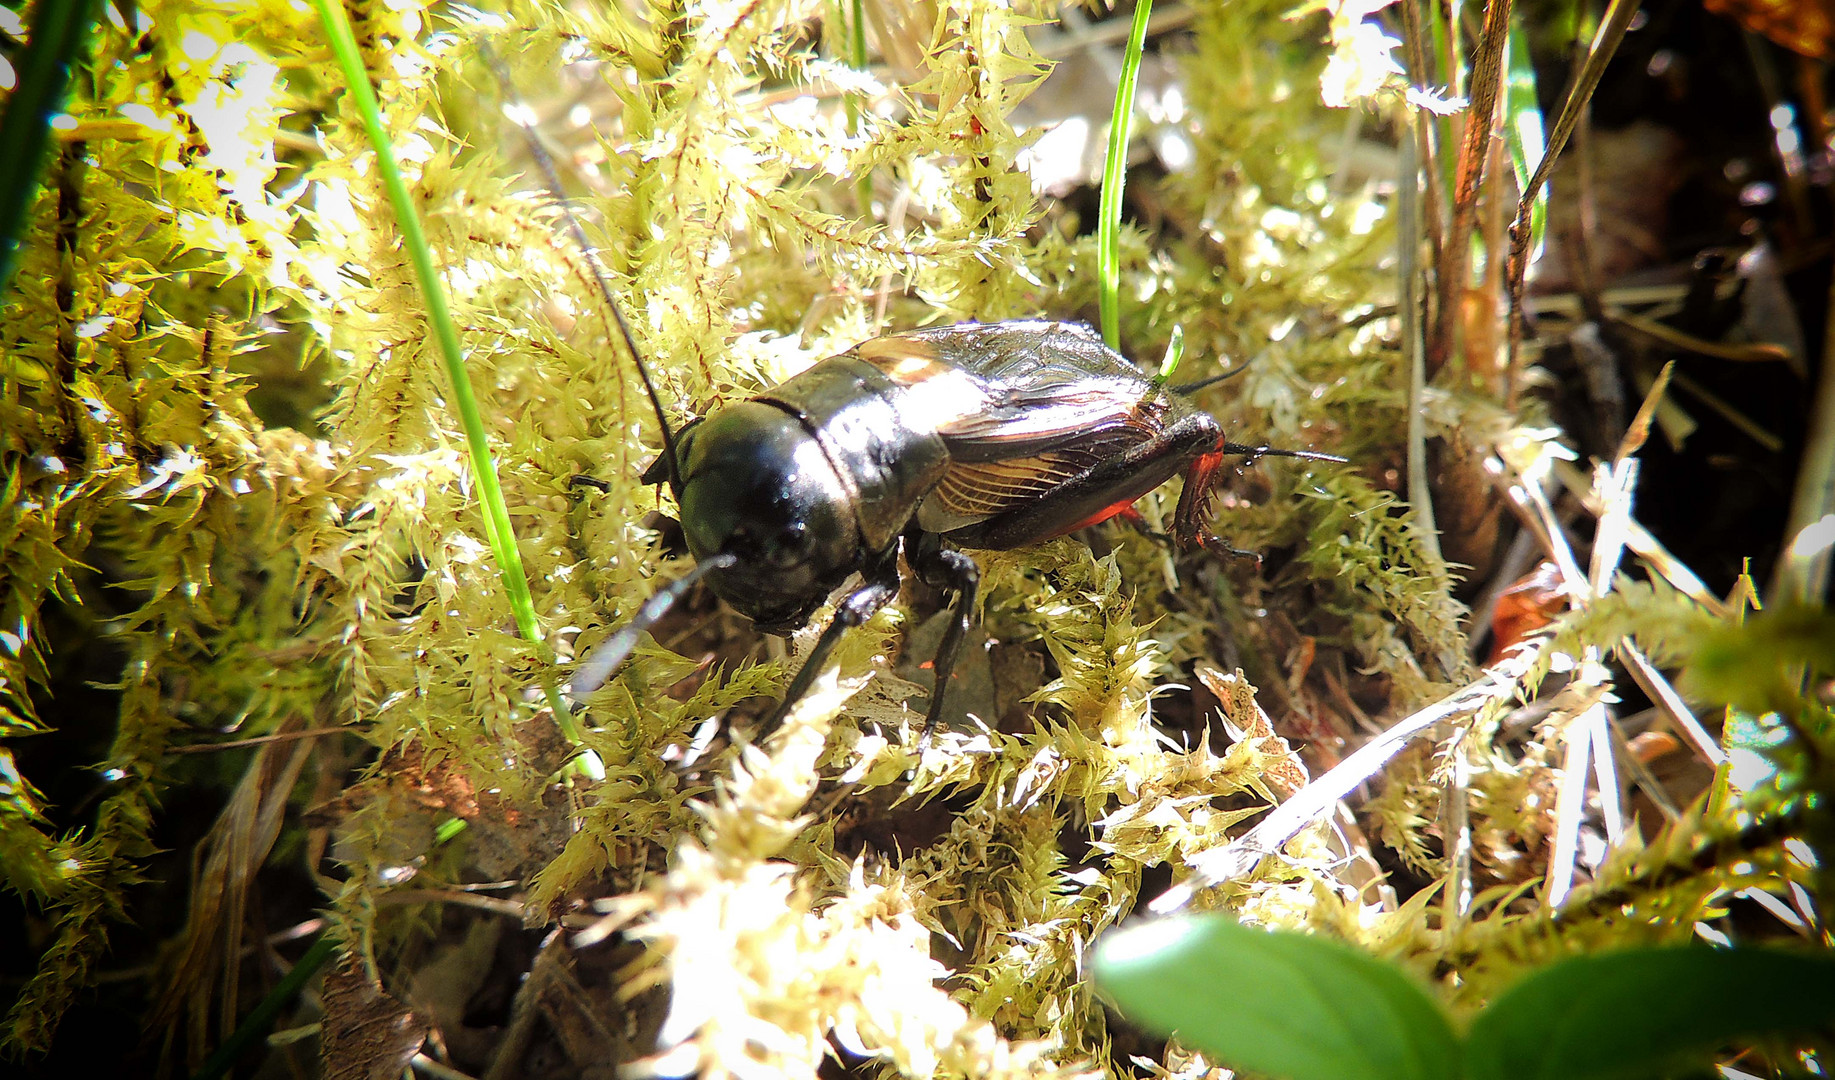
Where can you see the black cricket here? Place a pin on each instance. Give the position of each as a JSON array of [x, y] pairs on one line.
[[995, 435], [980, 435]]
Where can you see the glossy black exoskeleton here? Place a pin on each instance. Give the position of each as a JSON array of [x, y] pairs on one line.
[[992, 436]]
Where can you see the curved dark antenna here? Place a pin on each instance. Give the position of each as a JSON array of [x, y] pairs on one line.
[[1194, 387], [517, 112]]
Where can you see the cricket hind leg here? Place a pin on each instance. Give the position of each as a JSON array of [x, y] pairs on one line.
[[880, 587], [1138, 521], [945, 568]]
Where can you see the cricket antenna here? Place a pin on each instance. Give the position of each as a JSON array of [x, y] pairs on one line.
[[1253, 452], [1194, 387], [597, 669], [519, 114]]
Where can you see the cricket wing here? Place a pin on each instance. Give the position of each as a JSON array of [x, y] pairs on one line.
[[995, 468], [1023, 409], [999, 391], [1017, 420]]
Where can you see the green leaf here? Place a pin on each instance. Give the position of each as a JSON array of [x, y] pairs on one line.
[[1648, 1012], [1282, 1004]]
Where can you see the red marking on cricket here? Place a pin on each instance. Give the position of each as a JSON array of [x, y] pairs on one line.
[[1097, 518]]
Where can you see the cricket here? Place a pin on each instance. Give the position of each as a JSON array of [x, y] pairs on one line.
[[991, 436]]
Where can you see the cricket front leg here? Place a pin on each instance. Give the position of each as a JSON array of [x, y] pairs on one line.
[[860, 605], [942, 567], [1191, 521]]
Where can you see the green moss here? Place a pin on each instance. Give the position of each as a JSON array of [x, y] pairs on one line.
[[270, 576]]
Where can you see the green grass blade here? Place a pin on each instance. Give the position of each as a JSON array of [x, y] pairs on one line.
[[857, 59], [497, 528], [60, 29], [1175, 352], [255, 1025], [1523, 130], [1114, 175]]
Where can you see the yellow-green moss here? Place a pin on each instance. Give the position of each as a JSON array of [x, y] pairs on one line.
[[341, 574]]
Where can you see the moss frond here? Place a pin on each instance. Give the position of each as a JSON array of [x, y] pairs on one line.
[[215, 210]]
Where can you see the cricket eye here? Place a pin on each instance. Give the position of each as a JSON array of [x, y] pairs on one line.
[[789, 547]]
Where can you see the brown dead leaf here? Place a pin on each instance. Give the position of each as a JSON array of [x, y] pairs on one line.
[[1245, 720], [1803, 26], [204, 976], [1648, 746], [1529, 604]]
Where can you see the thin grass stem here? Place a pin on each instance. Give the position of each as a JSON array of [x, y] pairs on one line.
[[1114, 175], [1612, 31], [60, 29], [1431, 131], [856, 108], [497, 528], [255, 1025], [1408, 248]]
